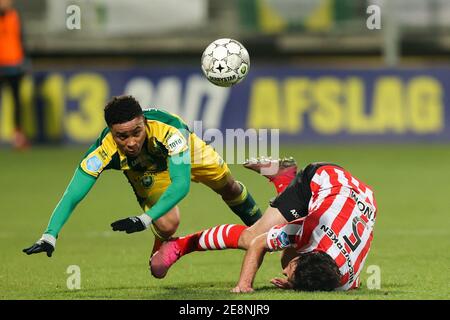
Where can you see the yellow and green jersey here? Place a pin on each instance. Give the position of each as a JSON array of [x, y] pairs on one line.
[[160, 175], [167, 135]]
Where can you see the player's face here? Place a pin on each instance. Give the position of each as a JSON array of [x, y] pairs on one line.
[[290, 269], [130, 136]]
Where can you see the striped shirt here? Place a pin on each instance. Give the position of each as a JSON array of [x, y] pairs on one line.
[[340, 221]]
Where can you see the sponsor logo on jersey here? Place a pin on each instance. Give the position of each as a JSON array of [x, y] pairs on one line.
[[93, 164], [336, 241], [283, 239], [274, 239], [363, 207], [175, 144], [294, 213]]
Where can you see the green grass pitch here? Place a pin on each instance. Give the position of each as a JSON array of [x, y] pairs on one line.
[[411, 240]]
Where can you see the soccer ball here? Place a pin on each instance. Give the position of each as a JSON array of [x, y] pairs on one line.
[[225, 62]]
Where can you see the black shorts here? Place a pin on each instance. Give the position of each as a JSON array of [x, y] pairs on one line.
[[293, 202], [290, 203]]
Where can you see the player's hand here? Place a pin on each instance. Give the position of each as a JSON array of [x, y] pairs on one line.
[[131, 224], [45, 244], [281, 283], [242, 289]]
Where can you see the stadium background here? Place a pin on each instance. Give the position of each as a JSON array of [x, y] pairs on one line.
[[375, 101]]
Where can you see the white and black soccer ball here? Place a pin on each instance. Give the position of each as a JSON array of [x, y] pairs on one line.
[[225, 62]]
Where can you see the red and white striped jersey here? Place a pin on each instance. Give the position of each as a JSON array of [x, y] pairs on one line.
[[340, 220]]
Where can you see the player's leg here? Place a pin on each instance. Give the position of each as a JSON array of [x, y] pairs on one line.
[[271, 217], [285, 172], [148, 188], [210, 169], [164, 228], [280, 171], [14, 82], [167, 225], [228, 236], [224, 236], [20, 140], [236, 195]]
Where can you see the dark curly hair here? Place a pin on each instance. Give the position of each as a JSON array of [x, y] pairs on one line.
[[122, 109], [316, 271]]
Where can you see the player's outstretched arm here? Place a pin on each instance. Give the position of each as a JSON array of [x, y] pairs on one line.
[[77, 189], [180, 176], [252, 261]]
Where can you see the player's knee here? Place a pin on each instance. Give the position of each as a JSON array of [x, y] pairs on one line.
[[167, 231], [167, 228]]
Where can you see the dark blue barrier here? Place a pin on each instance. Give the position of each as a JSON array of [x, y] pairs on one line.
[[307, 105]]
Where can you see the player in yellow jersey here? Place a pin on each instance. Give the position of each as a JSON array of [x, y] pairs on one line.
[[159, 157]]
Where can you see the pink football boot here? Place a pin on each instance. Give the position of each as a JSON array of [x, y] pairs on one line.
[[164, 258]]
